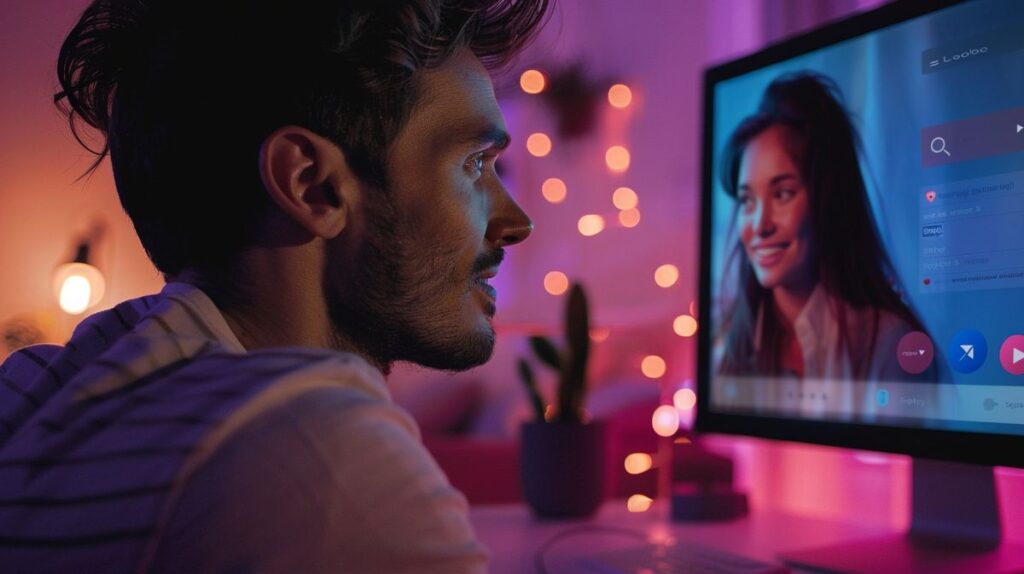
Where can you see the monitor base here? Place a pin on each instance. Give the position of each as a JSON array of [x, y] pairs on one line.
[[901, 554], [955, 529]]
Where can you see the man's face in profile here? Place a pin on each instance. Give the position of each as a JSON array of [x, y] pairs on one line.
[[413, 286]]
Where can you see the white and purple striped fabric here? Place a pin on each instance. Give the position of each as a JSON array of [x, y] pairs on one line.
[[101, 439]]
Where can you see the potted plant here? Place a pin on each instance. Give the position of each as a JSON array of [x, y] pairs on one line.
[[562, 454]]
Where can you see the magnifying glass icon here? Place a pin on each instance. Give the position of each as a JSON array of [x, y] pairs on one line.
[[939, 146]]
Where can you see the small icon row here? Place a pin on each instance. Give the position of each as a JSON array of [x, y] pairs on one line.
[[966, 352]]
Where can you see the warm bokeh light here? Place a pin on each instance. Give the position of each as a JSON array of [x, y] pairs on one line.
[[666, 275], [653, 366], [625, 198], [693, 307], [665, 420], [599, 334], [532, 81], [538, 144], [617, 158], [78, 286], [556, 283], [590, 225], [620, 95], [629, 217], [638, 463], [684, 326], [684, 399], [639, 503], [554, 190], [75, 294]]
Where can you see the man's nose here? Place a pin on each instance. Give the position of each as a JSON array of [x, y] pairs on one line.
[[509, 224]]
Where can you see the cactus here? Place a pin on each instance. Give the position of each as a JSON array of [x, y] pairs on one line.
[[571, 364]]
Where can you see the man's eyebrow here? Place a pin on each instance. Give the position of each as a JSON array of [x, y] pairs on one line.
[[496, 136]]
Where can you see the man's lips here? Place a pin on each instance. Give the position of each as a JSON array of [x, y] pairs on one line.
[[480, 281]]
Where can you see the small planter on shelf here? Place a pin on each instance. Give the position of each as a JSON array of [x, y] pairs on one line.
[[563, 458]]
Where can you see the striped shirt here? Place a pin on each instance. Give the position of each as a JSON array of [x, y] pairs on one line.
[[153, 442]]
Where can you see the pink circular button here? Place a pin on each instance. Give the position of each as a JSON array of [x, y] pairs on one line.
[[915, 352], [1011, 354]]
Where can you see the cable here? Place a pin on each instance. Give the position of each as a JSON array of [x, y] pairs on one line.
[[538, 559]]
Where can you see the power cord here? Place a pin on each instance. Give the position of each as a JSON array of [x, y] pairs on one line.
[[538, 559]]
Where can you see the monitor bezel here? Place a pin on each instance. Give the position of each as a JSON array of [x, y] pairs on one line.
[[958, 446]]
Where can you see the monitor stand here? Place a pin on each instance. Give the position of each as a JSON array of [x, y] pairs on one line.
[[955, 529]]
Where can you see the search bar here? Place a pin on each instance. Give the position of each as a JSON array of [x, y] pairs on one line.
[[999, 133]]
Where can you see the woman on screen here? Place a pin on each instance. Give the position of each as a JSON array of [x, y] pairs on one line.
[[817, 297]]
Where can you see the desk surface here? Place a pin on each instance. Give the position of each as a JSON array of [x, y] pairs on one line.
[[514, 537]]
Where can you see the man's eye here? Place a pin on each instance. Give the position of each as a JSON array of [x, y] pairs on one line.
[[477, 162]]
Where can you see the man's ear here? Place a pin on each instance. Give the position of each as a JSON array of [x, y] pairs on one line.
[[307, 176]]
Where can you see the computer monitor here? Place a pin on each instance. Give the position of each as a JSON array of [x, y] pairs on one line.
[[862, 259]]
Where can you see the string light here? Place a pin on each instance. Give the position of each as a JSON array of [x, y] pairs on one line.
[[638, 463], [556, 283], [554, 190], [665, 420], [590, 225], [684, 326], [666, 275], [532, 81], [653, 367], [629, 218], [617, 158], [600, 334], [620, 95], [625, 198], [684, 399], [639, 503], [538, 144]]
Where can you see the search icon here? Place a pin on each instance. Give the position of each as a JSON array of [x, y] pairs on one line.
[[939, 145]]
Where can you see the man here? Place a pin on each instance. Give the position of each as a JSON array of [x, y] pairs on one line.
[[316, 181]]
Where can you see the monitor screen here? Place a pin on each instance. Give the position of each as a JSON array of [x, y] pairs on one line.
[[863, 256]]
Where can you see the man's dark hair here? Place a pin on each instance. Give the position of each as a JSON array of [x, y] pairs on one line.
[[184, 92]]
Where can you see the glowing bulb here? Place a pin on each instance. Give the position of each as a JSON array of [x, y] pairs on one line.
[[532, 82], [684, 326], [666, 275], [554, 190], [665, 420], [620, 95], [653, 366], [538, 144], [625, 198], [684, 399], [556, 283], [639, 503], [75, 294], [599, 334], [629, 218], [590, 225], [78, 286], [638, 463], [617, 158]]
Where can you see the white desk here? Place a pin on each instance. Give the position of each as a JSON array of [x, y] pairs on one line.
[[514, 536]]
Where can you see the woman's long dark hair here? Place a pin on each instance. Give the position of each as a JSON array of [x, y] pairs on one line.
[[851, 263]]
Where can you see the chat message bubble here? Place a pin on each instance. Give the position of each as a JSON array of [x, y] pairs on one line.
[[972, 234]]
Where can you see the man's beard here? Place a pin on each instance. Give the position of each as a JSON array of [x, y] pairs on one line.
[[395, 303]]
